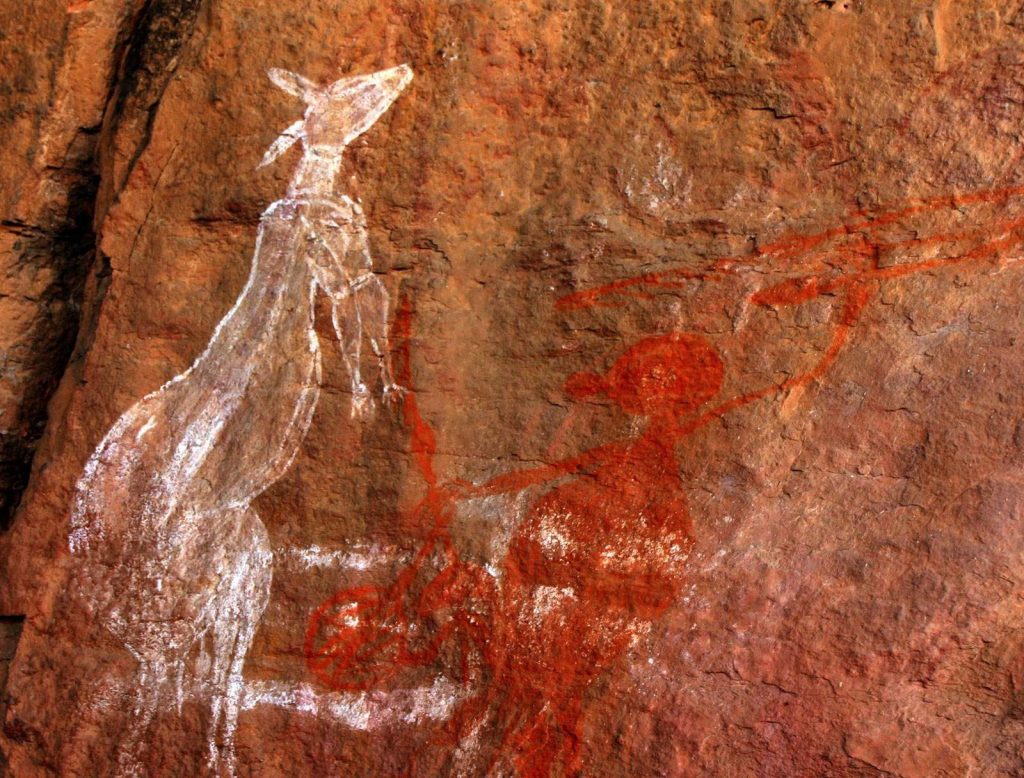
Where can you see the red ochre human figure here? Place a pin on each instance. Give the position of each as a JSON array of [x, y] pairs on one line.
[[601, 557], [596, 559]]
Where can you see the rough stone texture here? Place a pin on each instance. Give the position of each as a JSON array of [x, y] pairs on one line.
[[852, 601], [10, 632]]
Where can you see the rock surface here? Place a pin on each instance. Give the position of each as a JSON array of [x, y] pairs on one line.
[[709, 317]]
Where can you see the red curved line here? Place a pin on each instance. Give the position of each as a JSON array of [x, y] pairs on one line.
[[791, 245]]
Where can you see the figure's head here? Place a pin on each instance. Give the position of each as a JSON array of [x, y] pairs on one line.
[[338, 113], [673, 373]]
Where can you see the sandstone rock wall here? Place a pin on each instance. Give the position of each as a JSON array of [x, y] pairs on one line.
[[570, 206]]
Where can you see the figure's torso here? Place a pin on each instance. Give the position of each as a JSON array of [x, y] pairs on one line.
[[596, 558]]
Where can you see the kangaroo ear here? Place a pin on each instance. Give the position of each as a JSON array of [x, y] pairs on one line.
[[284, 142], [294, 84]]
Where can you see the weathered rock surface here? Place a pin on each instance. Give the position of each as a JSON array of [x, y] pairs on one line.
[[824, 197]]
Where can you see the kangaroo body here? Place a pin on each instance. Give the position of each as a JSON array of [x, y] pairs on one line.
[[172, 559]]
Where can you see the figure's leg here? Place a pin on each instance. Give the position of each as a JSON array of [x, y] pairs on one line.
[[348, 326], [569, 719], [241, 598], [255, 591], [525, 722], [466, 737], [150, 678], [473, 741], [372, 301], [537, 746], [220, 643]]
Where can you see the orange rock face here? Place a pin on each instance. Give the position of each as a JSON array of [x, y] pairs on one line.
[[703, 452]]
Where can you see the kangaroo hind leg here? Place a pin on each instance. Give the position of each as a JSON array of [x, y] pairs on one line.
[[150, 680], [242, 595]]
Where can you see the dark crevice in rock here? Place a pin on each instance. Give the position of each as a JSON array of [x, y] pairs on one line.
[[67, 254], [150, 49], [10, 634], [151, 56]]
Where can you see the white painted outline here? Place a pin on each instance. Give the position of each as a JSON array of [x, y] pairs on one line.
[[170, 556]]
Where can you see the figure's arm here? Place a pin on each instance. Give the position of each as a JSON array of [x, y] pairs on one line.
[[856, 288], [359, 300], [327, 245], [348, 328], [855, 297], [371, 300]]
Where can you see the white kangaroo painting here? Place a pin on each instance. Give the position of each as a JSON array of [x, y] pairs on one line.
[[167, 551]]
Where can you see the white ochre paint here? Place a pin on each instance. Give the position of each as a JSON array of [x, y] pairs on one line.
[[168, 553]]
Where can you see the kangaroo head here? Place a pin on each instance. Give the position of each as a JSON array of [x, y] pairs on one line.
[[338, 113]]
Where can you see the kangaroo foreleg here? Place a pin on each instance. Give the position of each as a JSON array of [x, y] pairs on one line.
[[372, 301], [348, 326]]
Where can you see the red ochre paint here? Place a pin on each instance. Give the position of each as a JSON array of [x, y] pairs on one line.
[[361, 637], [862, 245], [618, 514], [618, 520]]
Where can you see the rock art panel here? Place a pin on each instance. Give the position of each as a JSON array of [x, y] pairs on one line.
[[700, 451]]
